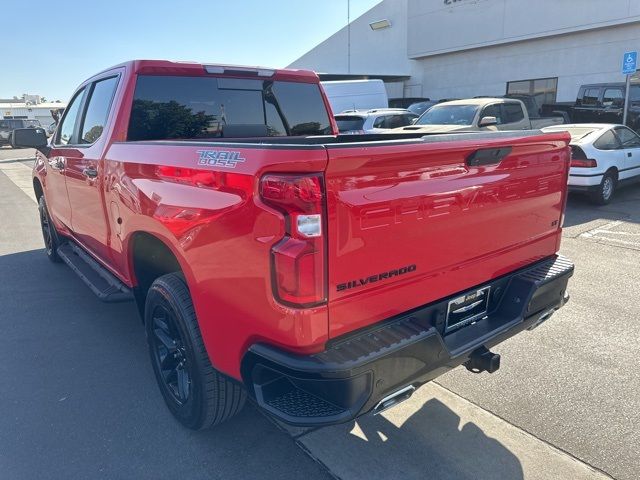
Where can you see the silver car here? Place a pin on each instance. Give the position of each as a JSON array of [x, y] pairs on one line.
[[379, 120]]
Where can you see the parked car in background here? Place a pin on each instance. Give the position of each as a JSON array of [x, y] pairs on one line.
[[476, 114], [406, 102], [356, 94], [373, 121], [601, 103], [604, 157], [8, 125], [420, 107]]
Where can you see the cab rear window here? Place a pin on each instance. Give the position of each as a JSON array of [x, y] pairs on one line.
[[174, 107]]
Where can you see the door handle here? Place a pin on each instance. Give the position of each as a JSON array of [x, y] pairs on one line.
[[90, 172], [487, 156], [629, 154]]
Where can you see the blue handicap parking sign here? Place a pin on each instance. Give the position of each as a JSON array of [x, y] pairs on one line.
[[629, 63]]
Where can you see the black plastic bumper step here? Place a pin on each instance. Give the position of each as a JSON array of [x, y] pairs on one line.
[[283, 397], [103, 283], [364, 370]]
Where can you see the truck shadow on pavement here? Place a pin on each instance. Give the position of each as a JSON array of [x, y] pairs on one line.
[[78, 388], [430, 443]]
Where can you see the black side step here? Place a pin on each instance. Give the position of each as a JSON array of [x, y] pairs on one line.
[[101, 282]]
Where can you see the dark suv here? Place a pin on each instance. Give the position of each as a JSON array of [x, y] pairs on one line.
[[601, 103], [604, 103], [8, 125]]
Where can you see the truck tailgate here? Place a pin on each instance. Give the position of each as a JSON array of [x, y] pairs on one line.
[[412, 222]]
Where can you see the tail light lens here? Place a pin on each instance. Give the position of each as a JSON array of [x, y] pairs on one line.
[[586, 163], [579, 158], [298, 260]]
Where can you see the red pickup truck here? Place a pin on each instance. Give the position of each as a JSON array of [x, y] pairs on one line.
[[324, 276]]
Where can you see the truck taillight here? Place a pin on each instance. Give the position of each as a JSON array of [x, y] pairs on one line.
[[298, 260], [586, 163]]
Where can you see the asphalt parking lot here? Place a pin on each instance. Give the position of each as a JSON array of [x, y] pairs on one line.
[[79, 399]]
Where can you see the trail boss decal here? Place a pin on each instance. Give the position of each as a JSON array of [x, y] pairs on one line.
[[219, 158], [361, 282]]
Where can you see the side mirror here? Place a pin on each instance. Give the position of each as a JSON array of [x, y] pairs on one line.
[[488, 121], [29, 138]]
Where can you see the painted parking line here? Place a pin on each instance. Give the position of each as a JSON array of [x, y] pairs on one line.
[[616, 233]]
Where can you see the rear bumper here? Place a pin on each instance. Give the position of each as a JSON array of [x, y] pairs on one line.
[[355, 373], [586, 183], [583, 189]]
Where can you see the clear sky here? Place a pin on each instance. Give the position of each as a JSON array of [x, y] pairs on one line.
[[51, 46]]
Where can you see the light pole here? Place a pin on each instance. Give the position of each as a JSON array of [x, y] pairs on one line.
[[348, 36]]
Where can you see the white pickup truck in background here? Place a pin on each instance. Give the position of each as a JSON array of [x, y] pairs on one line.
[[478, 114]]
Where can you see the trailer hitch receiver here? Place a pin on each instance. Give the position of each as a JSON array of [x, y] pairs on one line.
[[483, 360]]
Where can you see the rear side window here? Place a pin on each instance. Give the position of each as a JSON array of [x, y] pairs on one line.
[[95, 117], [347, 123], [628, 138], [613, 97], [590, 96], [67, 127], [394, 121], [493, 111], [513, 112], [171, 107], [607, 141]]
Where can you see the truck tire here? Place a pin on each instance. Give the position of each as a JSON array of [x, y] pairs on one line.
[[604, 193], [49, 233], [197, 395]]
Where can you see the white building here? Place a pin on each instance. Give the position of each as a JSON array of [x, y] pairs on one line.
[[33, 108], [463, 48]]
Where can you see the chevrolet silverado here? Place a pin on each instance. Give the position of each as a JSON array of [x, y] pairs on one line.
[[323, 276]]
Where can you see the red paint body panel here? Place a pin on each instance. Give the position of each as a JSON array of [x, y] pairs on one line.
[[396, 206], [222, 237], [389, 205]]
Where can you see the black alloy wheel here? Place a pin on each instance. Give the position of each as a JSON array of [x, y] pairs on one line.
[[196, 393], [49, 234], [170, 354]]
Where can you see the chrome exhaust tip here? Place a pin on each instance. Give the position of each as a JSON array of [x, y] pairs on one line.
[[395, 398], [544, 316]]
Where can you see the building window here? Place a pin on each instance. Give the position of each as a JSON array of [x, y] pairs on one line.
[[544, 90]]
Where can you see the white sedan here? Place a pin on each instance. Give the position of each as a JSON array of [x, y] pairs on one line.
[[604, 157]]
